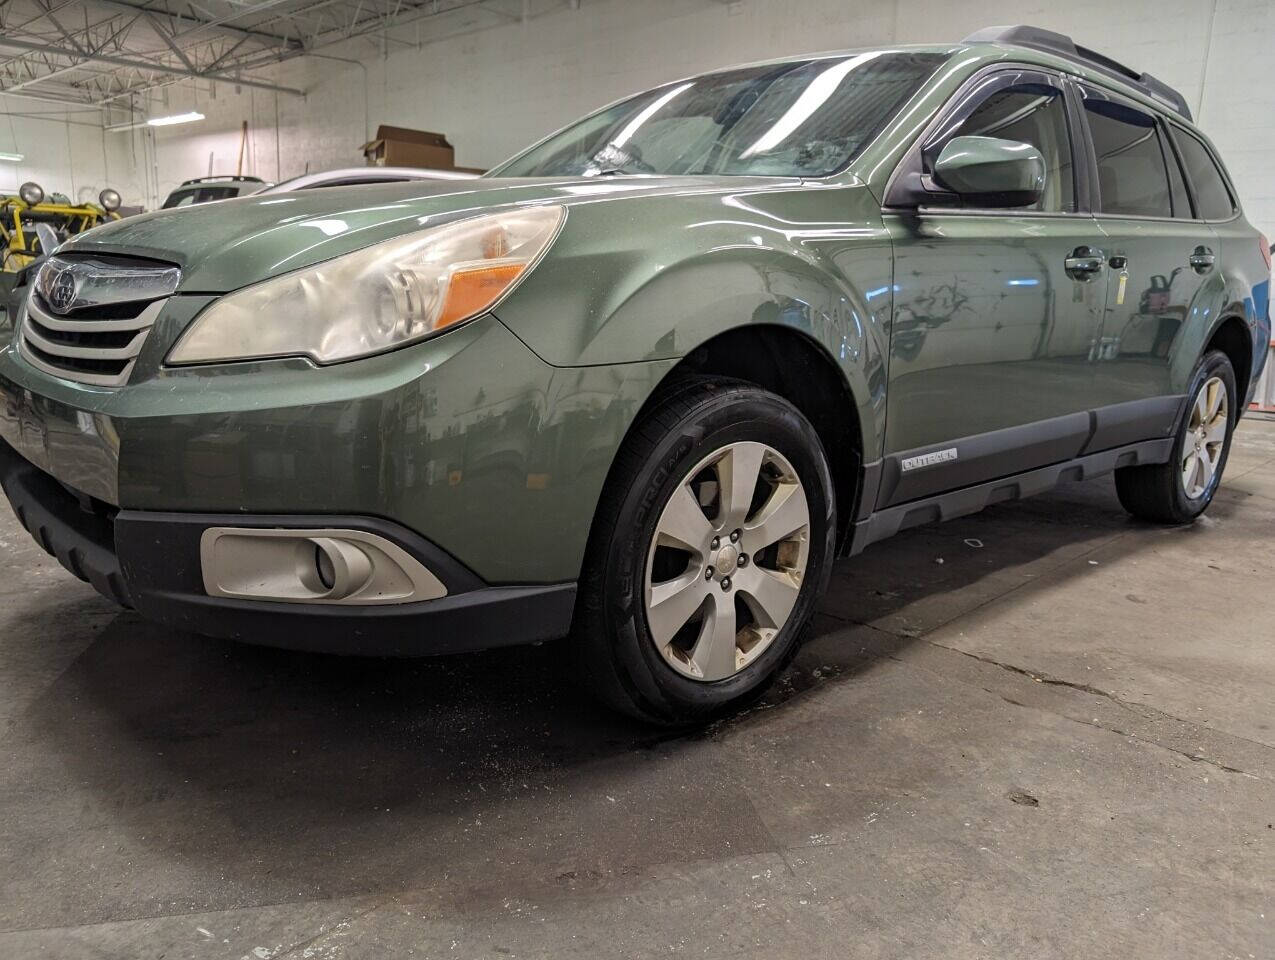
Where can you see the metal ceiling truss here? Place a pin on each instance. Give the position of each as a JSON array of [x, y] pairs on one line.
[[98, 53]]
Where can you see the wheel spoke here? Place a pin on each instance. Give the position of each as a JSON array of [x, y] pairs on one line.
[[1215, 432], [1200, 410], [673, 603], [738, 472], [784, 514], [770, 595], [683, 523], [1206, 467], [1189, 466], [714, 655], [1214, 392]]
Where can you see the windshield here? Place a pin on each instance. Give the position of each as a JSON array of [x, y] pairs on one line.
[[805, 118]]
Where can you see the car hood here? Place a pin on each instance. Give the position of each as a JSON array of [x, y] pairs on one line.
[[228, 244]]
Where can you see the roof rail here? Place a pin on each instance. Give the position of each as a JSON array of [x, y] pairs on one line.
[[223, 178], [1063, 46]]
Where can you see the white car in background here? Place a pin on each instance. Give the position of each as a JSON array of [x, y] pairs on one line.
[[207, 189]]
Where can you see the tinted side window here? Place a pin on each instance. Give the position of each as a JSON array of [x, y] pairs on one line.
[[1036, 114], [1211, 194], [1133, 178]]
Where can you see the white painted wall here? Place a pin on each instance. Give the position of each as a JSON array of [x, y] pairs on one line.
[[69, 153], [494, 90]]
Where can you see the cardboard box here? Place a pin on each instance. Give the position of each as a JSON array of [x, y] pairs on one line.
[[403, 147]]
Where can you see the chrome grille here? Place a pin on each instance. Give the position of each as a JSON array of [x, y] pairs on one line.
[[98, 352], [87, 320]]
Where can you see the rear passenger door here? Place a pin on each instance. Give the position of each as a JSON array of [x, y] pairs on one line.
[[1158, 255]]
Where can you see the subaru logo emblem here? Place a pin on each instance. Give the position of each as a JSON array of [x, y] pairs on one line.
[[62, 291]]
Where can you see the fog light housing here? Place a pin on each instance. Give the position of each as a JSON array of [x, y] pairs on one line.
[[324, 566]]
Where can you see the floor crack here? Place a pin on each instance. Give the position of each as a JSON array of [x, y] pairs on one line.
[[1193, 757], [1140, 710], [1044, 678]]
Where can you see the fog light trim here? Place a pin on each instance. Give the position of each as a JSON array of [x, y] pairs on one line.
[[325, 566]]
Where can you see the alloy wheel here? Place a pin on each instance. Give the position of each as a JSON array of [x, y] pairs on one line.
[[1205, 438], [727, 561]]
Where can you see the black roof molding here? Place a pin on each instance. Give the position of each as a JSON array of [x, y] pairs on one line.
[[224, 178], [1063, 46]]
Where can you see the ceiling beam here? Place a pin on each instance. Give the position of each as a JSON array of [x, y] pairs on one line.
[[40, 79], [61, 101], [52, 18], [172, 45], [197, 23], [143, 65]]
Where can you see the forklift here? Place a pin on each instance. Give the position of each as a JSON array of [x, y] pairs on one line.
[[30, 229], [22, 215]]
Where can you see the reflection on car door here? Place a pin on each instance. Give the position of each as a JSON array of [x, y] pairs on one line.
[[993, 321], [1158, 258]]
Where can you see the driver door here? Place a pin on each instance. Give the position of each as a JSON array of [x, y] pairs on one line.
[[995, 310]]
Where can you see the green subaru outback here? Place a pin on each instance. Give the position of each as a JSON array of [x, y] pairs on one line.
[[643, 382]]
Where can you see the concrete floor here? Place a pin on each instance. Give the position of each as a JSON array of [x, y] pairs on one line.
[[1045, 731]]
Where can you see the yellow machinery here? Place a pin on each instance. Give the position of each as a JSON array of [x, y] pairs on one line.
[[28, 224]]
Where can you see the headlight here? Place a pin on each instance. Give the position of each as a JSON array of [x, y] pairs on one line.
[[110, 199], [375, 299]]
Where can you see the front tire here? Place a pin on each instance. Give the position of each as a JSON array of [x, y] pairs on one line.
[[1182, 489], [710, 548]]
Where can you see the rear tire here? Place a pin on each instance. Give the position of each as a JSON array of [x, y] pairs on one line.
[[1182, 489], [684, 611]]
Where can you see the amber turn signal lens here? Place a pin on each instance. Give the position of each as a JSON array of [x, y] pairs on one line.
[[470, 290]]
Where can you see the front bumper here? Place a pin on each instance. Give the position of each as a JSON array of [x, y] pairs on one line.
[[151, 561], [468, 445], [468, 439]]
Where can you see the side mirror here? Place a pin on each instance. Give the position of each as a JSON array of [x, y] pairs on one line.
[[991, 172]]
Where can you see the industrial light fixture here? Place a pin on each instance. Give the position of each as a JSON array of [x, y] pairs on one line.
[[31, 193], [175, 118], [10, 157]]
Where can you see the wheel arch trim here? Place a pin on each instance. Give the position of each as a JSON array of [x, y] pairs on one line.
[[853, 468]]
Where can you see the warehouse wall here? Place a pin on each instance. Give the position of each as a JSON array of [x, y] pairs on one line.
[[494, 90], [69, 153]]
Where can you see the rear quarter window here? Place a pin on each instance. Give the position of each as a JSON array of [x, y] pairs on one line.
[[1213, 199]]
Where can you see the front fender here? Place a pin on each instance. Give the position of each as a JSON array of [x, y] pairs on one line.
[[677, 272]]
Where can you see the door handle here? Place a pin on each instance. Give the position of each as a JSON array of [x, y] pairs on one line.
[[1201, 260], [1085, 263]]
